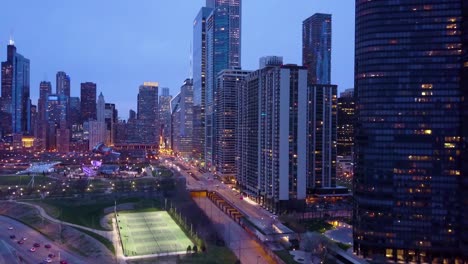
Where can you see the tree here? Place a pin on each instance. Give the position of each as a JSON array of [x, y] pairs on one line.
[[189, 249], [195, 248]]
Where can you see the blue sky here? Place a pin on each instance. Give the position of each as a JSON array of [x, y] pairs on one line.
[[119, 44]]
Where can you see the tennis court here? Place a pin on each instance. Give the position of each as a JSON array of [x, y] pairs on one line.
[[150, 233]]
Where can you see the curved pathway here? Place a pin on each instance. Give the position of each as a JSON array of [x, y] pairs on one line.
[[112, 236]]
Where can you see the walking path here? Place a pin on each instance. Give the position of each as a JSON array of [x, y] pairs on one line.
[[112, 236]]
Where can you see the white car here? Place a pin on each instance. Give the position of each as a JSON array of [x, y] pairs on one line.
[[10, 228], [33, 249], [48, 260]]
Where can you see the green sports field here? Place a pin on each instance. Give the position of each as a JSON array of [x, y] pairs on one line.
[[150, 233]]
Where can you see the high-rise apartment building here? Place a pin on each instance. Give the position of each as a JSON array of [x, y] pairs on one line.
[[199, 81], [223, 51], [182, 126], [321, 139], [271, 136], [148, 112], [165, 118], [316, 48], [111, 119], [410, 151], [45, 89], [88, 101], [228, 83], [16, 90], [345, 129]]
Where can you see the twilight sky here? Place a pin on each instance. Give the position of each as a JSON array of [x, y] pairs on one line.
[[119, 44]]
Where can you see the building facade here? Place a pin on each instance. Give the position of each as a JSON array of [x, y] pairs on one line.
[[165, 118], [345, 129], [223, 51], [271, 137], [229, 83], [410, 87], [88, 101]]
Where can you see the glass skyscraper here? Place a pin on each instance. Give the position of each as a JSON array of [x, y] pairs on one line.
[[410, 89], [148, 112], [316, 48], [223, 51], [199, 81], [16, 91], [88, 101]]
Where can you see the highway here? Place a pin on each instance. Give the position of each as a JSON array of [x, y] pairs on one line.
[[12, 252]]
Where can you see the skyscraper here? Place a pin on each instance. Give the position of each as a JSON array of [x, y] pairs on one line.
[[62, 83], [316, 48], [410, 87], [345, 129], [100, 108], [199, 81], [271, 136], [229, 83], [223, 51], [148, 112], [45, 89], [88, 101], [165, 117], [182, 126], [15, 90], [111, 119]]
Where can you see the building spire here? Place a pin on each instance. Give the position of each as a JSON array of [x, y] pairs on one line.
[[191, 61], [11, 41]]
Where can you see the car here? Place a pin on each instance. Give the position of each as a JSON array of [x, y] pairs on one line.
[[24, 238], [21, 242], [47, 246], [10, 228], [37, 245], [33, 249], [12, 236], [63, 262], [48, 260], [51, 255]]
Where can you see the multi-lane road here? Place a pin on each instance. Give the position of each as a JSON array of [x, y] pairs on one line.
[[13, 252]]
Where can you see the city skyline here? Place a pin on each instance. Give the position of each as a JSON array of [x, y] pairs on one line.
[[101, 51]]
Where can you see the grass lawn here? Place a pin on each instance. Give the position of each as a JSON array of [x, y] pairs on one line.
[[150, 233], [85, 214], [99, 238], [317, 225], [22, 180], [214, 254]]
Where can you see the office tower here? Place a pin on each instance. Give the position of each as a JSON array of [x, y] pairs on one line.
[[34, 121], [15, 91], [111, 118], [148, 112], [271, 136], [316, 48], [165, 118], [226, 121], [223, 51], [75, 111], [88, 101], [45, 88], [199, 81], [100, 108], [345, 129], [55, 116], [131, 115], [321, 140], [410, 171], [62, 83], [182, 114], [175, 122]]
